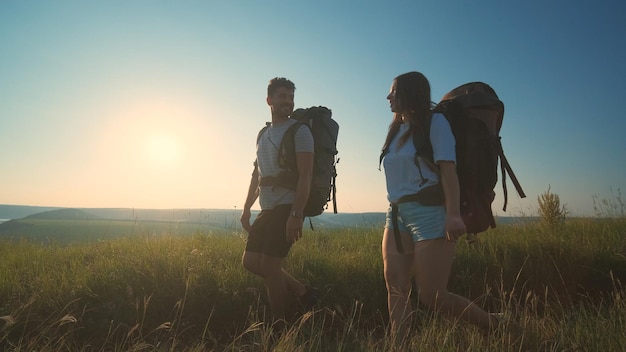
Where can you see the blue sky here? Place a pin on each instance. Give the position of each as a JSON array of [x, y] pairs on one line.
[[156, 104]]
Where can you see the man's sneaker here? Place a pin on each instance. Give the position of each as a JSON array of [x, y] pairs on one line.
[[309, 298]]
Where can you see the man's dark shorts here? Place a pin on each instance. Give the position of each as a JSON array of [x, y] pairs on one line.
[[269, 232]]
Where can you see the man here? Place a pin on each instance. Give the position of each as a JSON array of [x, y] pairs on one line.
[[279, 224]]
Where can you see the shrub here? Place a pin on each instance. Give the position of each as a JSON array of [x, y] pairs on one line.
[[551, 212]]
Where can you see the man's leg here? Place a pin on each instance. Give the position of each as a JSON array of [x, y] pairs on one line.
[[276, 284], [264, 255], [294, 286], [252, 263]]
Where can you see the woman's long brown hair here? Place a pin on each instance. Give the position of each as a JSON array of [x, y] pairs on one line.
[[412, 99]]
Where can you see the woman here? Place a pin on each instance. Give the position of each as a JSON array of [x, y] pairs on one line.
[[427, 232]]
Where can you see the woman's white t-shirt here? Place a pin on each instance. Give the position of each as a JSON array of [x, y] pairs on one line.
[[402, 174]]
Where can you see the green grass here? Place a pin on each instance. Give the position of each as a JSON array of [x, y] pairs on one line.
[[562, 285], [70, 231]]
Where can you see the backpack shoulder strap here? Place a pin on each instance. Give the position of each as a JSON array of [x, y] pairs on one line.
[[267, 125], [424, 149], [258, 137], [287, 154], [421, 141]]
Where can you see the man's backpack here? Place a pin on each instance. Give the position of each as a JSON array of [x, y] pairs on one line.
[[475, 114], [323, 183]]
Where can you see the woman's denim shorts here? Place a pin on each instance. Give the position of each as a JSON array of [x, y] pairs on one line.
[[421, 221]]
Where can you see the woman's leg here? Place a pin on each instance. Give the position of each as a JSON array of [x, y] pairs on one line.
[[433, 263], [398, 272]]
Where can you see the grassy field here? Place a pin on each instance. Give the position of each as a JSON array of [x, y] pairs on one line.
[[563, 285], [63, 231]]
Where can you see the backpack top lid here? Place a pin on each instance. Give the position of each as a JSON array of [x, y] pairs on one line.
[[317, 111], [474, 88], [481, 101]]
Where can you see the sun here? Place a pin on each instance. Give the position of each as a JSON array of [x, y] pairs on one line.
[[162, 149]]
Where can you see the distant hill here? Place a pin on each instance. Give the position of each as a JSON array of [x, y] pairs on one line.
[[219, 217], [69, 224], [8, 212], [64, 214]]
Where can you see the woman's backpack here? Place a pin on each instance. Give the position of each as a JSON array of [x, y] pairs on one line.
[[475, 114]]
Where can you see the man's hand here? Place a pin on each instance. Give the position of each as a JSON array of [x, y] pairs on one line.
[[245, 220], [294, 229]]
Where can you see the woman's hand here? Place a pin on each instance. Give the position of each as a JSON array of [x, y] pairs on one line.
[[455, 228]]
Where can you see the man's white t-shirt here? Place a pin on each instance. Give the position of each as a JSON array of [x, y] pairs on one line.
[[267, 159]]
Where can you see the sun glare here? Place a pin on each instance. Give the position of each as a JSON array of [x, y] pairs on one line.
[[159, 131], [158, 152], [162, 149]]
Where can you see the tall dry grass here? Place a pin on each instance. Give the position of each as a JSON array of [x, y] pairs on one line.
[[563, 286]]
